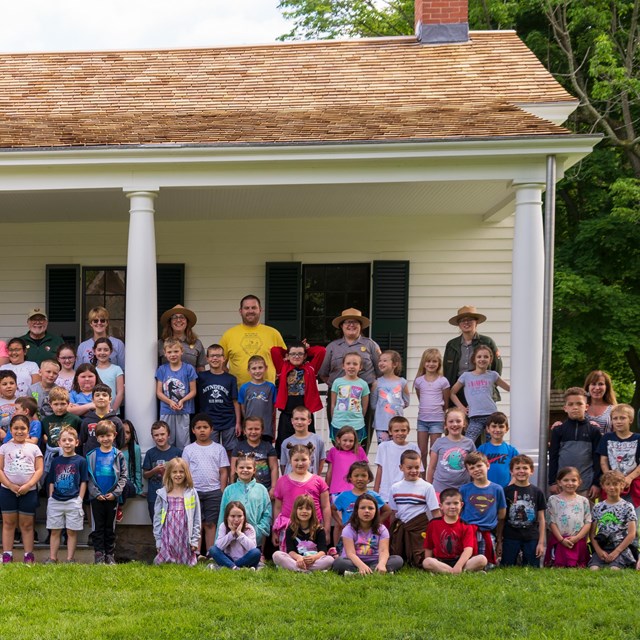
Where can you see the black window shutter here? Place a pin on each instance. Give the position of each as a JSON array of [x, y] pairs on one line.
[[390, 308], [283, 298], [170, 286], [62, 301]]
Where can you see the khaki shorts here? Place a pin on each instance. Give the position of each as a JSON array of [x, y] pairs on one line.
[[65, 515]]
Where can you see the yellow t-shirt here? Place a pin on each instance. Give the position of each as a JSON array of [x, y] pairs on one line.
[[241, 342]]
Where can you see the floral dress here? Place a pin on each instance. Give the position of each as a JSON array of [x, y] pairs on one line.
[[174, 541]]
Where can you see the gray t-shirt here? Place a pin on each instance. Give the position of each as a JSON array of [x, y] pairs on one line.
[[478, 390], [450, 470], [318, 452]]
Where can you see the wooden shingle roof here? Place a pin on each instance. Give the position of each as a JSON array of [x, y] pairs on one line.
[[390, 89]]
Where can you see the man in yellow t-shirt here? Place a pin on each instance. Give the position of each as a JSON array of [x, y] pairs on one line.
[[250, 338]]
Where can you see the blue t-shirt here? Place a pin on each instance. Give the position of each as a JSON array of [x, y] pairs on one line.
[[481, 504], [77, 397], [175, 385], [499, 458], [104, 474], [151, 459], [346, 500], [66, 475], [217, 391], [35, 431]]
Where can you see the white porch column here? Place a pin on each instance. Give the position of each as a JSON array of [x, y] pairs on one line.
[[526, 319], [141, 316]]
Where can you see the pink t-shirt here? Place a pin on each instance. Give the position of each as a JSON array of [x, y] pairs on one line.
[[4, 352], [19, 461], [340, 462], [287, 490]]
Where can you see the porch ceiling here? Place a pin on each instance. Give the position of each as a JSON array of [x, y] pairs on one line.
[[482, 197]]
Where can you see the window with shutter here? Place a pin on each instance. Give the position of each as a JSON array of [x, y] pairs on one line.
[[62, 301], [104, 287]]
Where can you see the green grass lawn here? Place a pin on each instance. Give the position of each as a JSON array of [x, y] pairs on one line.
[[138, 601]]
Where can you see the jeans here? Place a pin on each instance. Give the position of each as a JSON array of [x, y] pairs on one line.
[[511, 548], [249, 559], [476, 427]]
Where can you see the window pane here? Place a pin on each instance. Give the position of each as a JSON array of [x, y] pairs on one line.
[[328, 290], [94, 282], [93, 301], [115, 282], [115, 307], [314, 277]]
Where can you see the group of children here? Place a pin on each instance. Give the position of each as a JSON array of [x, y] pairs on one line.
[[441, 504]]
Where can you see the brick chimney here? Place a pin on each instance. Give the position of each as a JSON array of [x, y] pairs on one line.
[[442, 21]]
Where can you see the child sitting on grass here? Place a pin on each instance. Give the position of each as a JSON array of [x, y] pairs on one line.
[[365, 542], [450, 544], [305, 540], [235, 546]]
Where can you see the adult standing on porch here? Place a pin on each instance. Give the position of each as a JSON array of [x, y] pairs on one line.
[[351, 322], [99, 320], [40, 343], [458, 352], [250, 338], [178, 322]]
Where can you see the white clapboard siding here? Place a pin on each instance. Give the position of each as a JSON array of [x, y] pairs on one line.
[[454, 261]]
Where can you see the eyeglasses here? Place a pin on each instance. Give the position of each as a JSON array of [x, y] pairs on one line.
[[178, 316], [99, 321], [16, 350], [466, 320], [296, 355], [350, 322]]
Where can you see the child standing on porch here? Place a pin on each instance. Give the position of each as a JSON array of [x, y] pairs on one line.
[[389, 394], [478, 385], [433, 391]]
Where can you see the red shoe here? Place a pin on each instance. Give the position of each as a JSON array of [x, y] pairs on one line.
[[119, 514]]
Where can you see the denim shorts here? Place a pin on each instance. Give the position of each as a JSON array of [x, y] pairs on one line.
[[431, 427], [25, 504]]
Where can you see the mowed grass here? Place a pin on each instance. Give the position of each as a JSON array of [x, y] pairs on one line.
[[139, 601]]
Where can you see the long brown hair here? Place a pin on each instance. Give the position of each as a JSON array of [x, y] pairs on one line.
[[609, 394], [354, 520], [294, 522]]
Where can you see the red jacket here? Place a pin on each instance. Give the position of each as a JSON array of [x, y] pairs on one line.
[[310, 367]]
